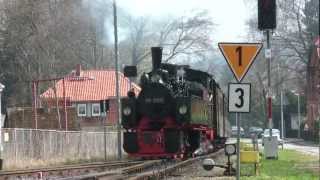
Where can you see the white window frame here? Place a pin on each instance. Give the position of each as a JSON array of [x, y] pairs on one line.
[[85, 110], [97, 105]]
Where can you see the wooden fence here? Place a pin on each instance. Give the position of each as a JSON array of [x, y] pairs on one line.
[[23, 148]]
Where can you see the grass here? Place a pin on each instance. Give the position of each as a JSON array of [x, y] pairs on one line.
[[291, 165]]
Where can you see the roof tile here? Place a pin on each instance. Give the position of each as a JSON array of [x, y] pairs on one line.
[[92, 85]]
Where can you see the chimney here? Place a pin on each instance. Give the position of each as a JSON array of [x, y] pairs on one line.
[[78, 69], [156, 53]]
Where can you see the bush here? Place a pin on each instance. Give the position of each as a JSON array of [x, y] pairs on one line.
[[316, 132], [312, 134]]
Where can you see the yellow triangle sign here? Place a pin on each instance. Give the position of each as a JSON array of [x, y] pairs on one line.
[[240, 56]]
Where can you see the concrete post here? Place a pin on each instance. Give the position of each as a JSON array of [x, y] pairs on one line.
[[117, 78]]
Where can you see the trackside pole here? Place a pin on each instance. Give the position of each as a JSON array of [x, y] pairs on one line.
[[117, 78], [238, 145], [269, 85]]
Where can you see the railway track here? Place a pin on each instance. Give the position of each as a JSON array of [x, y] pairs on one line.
[[169, 169], [153, 169], [133, 170], [65, 171]]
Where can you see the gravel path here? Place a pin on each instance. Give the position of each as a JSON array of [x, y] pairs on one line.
[[195, 171]]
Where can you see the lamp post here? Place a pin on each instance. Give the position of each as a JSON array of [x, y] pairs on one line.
[[1, 148], [299, 113], [1, 89], [281, 108], [281, 103], [299, 116]]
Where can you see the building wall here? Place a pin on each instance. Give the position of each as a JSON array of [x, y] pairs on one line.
[[23, 117], [90, 121], [46, 118]]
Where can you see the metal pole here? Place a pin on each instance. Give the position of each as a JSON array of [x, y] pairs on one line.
[[269, 86], [281, 103], [1, 147], [105, 137], [238, 145], [299, 116], [65, 104], [117, 77], [35, 85], [281, 107]]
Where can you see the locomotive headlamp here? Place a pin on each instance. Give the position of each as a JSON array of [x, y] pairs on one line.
[[155, 78], [183, 109], [127, 111], [230, 149]]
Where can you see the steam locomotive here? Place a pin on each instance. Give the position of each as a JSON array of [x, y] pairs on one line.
[[180, 112]]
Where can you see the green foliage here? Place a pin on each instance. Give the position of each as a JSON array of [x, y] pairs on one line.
[[290, 165], [293, 102]]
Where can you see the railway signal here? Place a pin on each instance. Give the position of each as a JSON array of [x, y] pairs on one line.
[[266, 14], [266, 22], [239, 57]]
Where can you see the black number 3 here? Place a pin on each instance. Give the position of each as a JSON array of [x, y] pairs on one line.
[[240, 97]]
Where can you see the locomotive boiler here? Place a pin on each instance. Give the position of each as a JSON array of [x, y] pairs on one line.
[[179, 112]]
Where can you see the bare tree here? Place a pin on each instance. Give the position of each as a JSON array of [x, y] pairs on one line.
[[42, 39], [180, 37], [292, 42]]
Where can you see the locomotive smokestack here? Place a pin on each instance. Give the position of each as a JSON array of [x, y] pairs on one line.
[[156, 53]]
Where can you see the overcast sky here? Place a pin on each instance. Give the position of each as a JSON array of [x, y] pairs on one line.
[[229, 15]]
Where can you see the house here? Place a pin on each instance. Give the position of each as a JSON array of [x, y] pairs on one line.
[[83, 90], [313, 87]]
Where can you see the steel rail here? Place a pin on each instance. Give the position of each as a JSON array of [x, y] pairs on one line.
[[66, 168], [116, 174], [161, 173], [146, 170]]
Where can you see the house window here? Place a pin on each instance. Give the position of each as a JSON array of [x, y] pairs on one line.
[[95, 109], [82, 110]]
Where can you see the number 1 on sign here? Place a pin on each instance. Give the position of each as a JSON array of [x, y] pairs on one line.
[[239, 51]]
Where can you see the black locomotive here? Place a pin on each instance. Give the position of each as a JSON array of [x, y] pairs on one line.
[[179, 112]]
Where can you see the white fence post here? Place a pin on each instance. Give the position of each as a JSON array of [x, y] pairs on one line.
[[31, 144], [50, 144], [15, 145]]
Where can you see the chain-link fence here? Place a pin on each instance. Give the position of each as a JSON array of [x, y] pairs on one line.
[[24, 148]]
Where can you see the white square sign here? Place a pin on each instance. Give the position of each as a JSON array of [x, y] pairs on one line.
[[239, 97]]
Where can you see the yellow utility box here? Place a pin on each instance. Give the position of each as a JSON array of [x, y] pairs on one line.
[[249, 156]]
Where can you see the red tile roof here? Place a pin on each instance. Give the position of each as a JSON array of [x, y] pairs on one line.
[[91, 85]]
